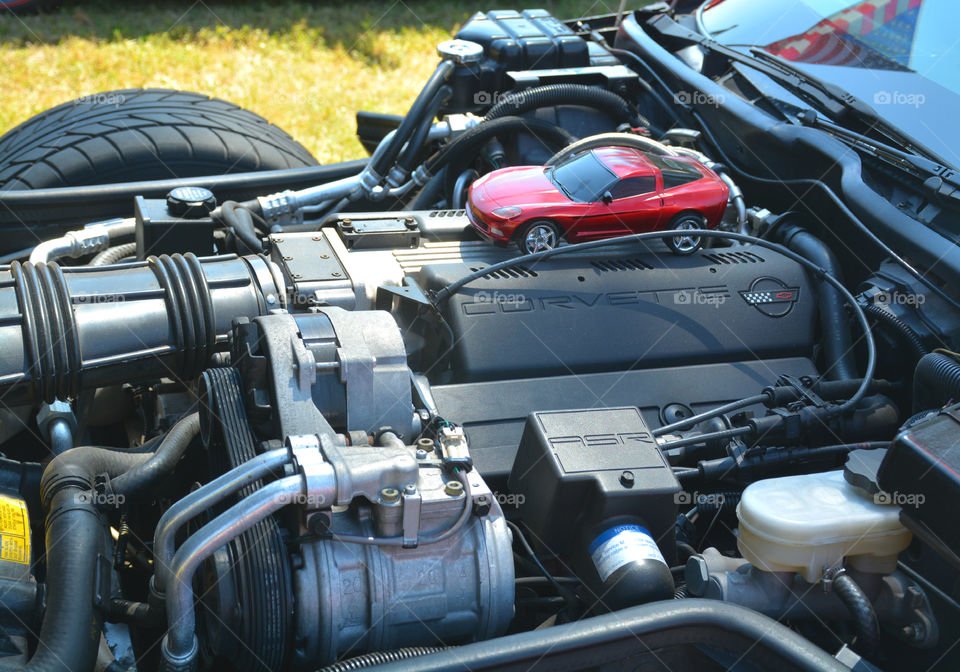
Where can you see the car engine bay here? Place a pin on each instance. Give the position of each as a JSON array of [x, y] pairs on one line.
[[332, 428]]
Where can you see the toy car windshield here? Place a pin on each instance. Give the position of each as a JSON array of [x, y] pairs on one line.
[[582, 178]]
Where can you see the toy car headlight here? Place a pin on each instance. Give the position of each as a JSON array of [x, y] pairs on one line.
[[507, 212]]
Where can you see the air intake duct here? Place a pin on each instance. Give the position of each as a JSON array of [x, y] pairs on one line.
[[67, 329]]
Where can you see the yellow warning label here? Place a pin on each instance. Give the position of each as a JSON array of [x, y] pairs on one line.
[[14, 549], [14, 531]]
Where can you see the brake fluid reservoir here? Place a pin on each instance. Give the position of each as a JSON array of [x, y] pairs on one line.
[[807, 523]]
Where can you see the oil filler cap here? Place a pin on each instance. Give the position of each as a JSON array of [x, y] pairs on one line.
[[191, 202]]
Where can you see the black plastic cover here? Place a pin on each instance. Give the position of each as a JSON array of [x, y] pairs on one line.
[[576, 469], [921, 473], [525, 40], [579, 315], [493, 413], [529, 48]]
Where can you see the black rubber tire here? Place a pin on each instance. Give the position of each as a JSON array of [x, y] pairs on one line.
[[677, 222], [142, 134], [28, 6]]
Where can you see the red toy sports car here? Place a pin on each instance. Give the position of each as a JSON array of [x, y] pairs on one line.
[[598, 193]]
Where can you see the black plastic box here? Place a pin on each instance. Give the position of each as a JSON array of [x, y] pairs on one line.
[[576, 469], [921, 472], [159, 232]]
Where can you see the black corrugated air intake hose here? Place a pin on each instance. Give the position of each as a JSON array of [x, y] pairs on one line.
[[67, 329], [936, 381], [515, 103], [839, 363], [76, 536], [907, 336]]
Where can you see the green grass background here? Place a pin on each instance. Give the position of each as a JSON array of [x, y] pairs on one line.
[[305, 66]]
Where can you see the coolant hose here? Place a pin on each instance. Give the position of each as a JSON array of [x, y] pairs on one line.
[[381, 164], [834, 323], [131, 473], [75, 538], [517, 102], [69, 637], [415, 147], [864, 616], [240, 220], [171, 449], [936, 381], [457, 155], [467, 145]]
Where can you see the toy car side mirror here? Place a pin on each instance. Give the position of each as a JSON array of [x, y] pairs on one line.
[[607, 197]]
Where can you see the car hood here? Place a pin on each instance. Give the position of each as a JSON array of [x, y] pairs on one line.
[[519, 186]]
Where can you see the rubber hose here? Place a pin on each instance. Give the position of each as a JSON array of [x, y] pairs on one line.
[[936, 380], [69, 637], [413, 152], [903, 330], [515, 104], [864, 616], [70, 634], [834, 323], [131, 473], [380, 658], [470, 142], [456, 155], [78, 466], [718, 503], [112, 255], [162, 462], [240, 221], [412, 118], [647, 87], [611, 639]]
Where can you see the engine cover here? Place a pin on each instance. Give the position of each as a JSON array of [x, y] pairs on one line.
[[604, 313]]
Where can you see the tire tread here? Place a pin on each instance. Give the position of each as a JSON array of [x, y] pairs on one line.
[[148, 134]]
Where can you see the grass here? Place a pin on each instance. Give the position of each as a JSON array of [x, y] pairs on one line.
[[305, 66]]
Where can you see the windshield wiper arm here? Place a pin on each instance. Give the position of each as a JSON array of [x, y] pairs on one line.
[[941, 184], [840, 104], [832, 100]]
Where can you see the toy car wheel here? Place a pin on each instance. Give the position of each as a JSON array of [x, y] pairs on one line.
[[686, 244], [538, 236]]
